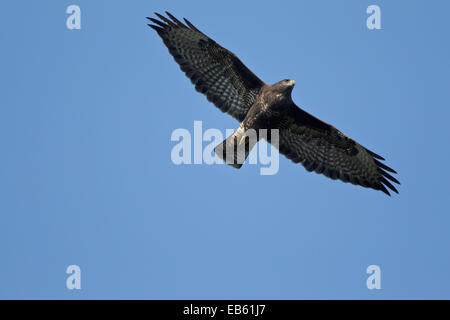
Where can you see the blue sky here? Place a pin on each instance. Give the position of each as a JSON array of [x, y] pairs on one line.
[[86, 176]]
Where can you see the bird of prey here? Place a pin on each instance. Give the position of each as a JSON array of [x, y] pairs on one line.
[[234, 89]]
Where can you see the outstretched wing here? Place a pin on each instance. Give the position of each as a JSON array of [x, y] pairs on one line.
[[322, 148], [215, 71]]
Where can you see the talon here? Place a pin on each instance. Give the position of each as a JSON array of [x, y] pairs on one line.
[[242, 139]]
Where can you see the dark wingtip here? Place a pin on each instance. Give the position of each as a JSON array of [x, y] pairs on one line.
[[383, 174], [387, 175], [388, 184], [178, 22], [191, 25], [156, 28], [373, 154], [158, 22], [385, 167], [168, 21], [383, 188], [174, 22], [170, 16]]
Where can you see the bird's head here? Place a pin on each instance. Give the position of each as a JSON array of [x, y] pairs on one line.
[[284, 88], [285, 85]]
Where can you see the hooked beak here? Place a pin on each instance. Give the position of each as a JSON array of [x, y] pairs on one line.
[[291, 83]]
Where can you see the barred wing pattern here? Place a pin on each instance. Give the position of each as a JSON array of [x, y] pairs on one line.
[[322, 148], [215, 71]]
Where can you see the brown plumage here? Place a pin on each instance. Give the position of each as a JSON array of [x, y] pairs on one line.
[[234, 89]]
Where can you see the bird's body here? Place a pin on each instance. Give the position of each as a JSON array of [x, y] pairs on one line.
[[233, 88]]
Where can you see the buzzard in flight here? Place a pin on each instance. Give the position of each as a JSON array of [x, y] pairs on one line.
[[234, 89]]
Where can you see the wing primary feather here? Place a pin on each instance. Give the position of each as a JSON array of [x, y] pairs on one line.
[[385, 167], [383, 188], [157, 22], [373, 154], [178, 22], [156, 28], [191, 25], [387, 175], [387, 183], [170, 23]]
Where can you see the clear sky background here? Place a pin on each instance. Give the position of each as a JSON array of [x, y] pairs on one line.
[[86, 176]]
